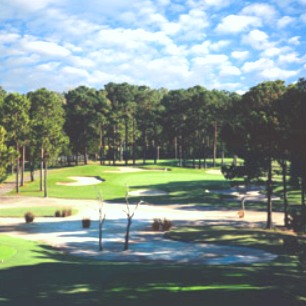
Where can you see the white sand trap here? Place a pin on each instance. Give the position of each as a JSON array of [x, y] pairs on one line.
[[133, 169], [125, 170], [214, 171], [147, 192], [81, 181]]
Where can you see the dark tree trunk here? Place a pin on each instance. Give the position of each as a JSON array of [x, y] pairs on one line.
[[126, 157], [41, 169], [285, 192], [101, 144], [134, 153], [215, 144], [114, 145], [303, 187], [86, 155], [269, 195], [46, 177], [22, 166], [144, 146], [127, 234], [17, 168], [175, 148]]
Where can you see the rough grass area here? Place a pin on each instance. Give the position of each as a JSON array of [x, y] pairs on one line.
[[40, 275], [271, 241], [45, 211]]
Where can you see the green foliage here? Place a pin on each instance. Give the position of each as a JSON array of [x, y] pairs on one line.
[[6, 154], [29, 217]]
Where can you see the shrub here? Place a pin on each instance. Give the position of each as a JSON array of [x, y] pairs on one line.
[[297, 220], [166, 225], [86, 223], [161, 225], [156, 224], [29, 217], [66, 212], [57, 214]]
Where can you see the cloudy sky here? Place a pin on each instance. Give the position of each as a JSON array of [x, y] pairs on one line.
[[222, 44]]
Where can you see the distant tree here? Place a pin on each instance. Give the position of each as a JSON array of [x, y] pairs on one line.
[[47, 136], [85, 115], [16, 121], [6, 154], [253, 134], [292, 116]]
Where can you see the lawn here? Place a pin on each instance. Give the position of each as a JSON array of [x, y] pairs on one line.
[[38, 275], [35, 274], [183, 186]]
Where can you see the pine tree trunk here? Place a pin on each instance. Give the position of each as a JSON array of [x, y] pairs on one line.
[[22, 166], [134, 153], [41, 169], [17, 168], [215, 144], [269, 195], [285, 193]]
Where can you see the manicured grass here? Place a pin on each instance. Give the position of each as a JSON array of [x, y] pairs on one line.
[[39, 275], [180, 183], [45, 211]]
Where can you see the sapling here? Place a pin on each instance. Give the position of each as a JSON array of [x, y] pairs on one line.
[[130, 214], [101, 219]]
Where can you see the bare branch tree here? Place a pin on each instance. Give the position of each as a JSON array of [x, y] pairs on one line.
[[102, 216], [130, 214]]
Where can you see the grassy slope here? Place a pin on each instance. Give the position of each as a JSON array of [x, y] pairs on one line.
[[40, 275]]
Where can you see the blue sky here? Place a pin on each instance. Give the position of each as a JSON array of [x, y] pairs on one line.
[[222, 44]]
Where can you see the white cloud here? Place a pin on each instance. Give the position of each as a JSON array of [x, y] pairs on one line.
[[229, 70], [217, 46], [271, 52], [285, 21], [241, 55], [259, 65], [303, 18], [257, 39], [289, 58], [278, 73], [265, 11], [211, 60], [44, 48], [237, 23], [217, 3], [295, 40]]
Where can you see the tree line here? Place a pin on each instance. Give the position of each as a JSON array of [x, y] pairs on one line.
[[124, 122]]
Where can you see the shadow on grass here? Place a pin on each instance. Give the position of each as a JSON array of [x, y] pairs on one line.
[[73, 281]]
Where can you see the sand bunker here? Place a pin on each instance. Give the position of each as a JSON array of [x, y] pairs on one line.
[[147, 192], [81, 181], [214, 171], [133, 169]]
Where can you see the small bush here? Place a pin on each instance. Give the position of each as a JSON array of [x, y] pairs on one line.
[[297, 220], [66, 212], [29, 217], [57, 214], [86, 222], [166, 225], [156, 224], [161, 225]]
